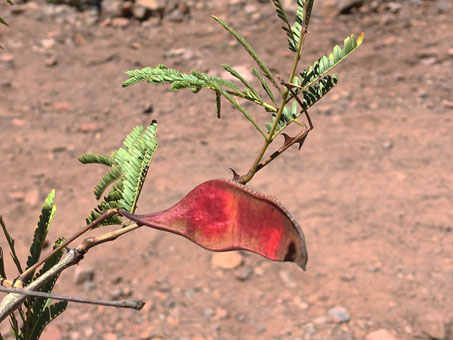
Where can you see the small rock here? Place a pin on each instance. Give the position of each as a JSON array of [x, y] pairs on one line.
[[344, 336], [243, 273], [127, 8], [387, 145], [51, 333], [320, 320], [338, 315], [226, 260], [450, 52], [51, 61], [299, 303], [394, 7], [7, 59], [47, 43], [120, 22], [153, 5], [241, 317], [260, 329], [90, 127], [208, 313], [110, 336], [381, 334], [141, 12], [18, 122], [347, 277], [285, 276], [148, 110], [83, 273], [62, 107], [183, 53], [447, 104], [177, 16], [221, 313], [428, 60], [432, 324]]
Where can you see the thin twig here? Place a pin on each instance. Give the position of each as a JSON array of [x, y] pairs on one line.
[[253, 169], [120, 304], [12, 301]]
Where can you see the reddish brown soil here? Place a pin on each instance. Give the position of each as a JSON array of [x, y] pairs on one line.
[[372, 187]]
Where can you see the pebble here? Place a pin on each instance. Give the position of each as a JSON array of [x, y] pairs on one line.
[[62, 107], [243, 273], [338, 315], [51, 61], [226, 260], [120, 22], [47, 43], [344, 336], [183, 53], [110, 336], [153, 5], [432, 323], [7, 59], [90, 127], [285, 276], [380, 334], [221, 313], [83, 273], [447, 104], [208, 313], [387, 145]]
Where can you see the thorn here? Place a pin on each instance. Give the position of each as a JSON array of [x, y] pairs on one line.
[[235, 175]]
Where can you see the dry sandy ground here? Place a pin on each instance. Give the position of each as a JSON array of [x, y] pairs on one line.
[[372, 187]]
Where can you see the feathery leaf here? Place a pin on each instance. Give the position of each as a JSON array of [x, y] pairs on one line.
[[310, 97], [325, 64], [45, 220], [264, 85], [250, 51], [108, 178], [282, 15], [88, 158], [11, 242]]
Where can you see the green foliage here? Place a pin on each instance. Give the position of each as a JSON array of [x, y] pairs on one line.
[[11, 242], [41, 230], [310, 97], [41, 311], [249, 49], [129, 167], [326, 64]]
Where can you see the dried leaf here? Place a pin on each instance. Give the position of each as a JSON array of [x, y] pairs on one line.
[[223, 215]]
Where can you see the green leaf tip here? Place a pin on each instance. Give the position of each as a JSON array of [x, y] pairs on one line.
[[249, 50], [45, 220]]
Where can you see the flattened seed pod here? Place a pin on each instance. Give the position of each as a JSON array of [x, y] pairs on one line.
[[223, 215]]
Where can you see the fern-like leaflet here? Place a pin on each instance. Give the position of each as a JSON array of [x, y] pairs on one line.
[[129, 167]]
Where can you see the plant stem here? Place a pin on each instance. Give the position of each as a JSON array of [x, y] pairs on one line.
[[270, 137], [120, 304], [13, 301]]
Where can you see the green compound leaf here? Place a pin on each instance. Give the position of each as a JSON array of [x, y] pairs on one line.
[[250, 51], [109, 178], [287, 26], [49, 313], [296, 29], [310, 97], [177, 80], [45, 220], [325, 64], [130, 165], [89, 158]]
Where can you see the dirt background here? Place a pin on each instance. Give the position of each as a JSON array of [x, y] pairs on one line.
[[372, 187]]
